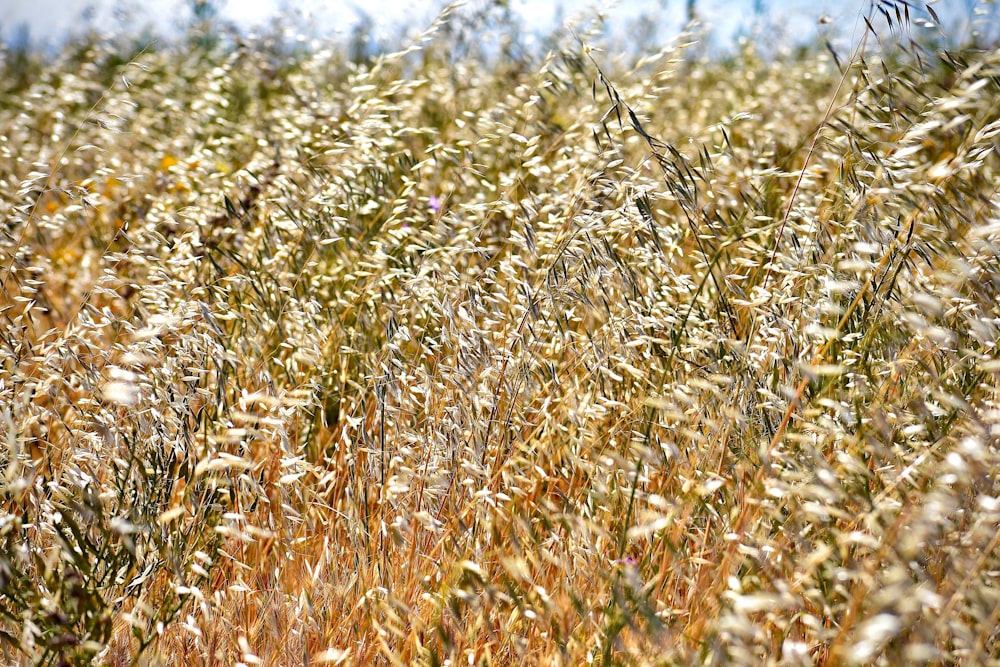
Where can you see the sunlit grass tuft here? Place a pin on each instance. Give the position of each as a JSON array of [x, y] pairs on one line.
[[442, 357]]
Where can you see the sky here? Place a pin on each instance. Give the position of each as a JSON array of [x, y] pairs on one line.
[[50, 21]]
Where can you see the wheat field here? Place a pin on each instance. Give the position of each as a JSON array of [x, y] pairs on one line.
[[501, 355]]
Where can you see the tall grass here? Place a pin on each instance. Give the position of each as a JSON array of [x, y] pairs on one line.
[[459, 356]]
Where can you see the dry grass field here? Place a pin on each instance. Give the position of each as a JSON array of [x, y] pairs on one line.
[[496, 356]]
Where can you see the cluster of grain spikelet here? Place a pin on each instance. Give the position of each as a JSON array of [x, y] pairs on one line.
[[547, 360]]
